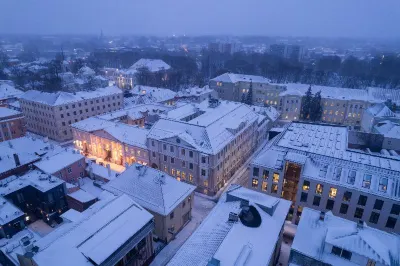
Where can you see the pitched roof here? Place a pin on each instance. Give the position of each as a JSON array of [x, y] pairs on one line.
[[58, 161], [152, 189], [7, 90], [380, 110], [233, 78], [153, 65], [7, 112]]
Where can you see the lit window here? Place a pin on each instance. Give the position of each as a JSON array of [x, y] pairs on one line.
[[254, 183], [165, 169], [274, 188], [205, 183], [173, 171], [306, 185], [383, 184], [319, 189], [265, 174], [178, 173], [183, 175], [190, 177], [275, 178], [264, 186], [332, 192], [367, 181]]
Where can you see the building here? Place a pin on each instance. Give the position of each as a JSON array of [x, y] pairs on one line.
[[114, 231], [391, 134], [375, 114], [110, 141], [312, 166], [325, 239], [126, 78], [197, 94], [289, 51], [168, 200], [205, 144], [36, 194], [149, 95], [51, 114], [12, 124], [244, 228], [8, 92], [228, 48], [231, 87], [341, 106]]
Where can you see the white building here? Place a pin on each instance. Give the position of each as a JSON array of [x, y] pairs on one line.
[[244, 228], [8, 92], [325, 239], [197, 94], [147, 95]]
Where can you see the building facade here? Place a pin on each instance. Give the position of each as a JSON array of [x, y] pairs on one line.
[[51, 114], [12, 124], [311, 166]]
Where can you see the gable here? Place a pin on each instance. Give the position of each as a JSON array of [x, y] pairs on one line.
[[174, 140], [103, 134]]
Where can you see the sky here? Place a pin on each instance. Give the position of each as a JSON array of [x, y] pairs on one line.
[[314, 18]]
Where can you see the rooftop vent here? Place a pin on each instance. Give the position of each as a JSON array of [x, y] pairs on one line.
[[250, 217], [212, 103], [233, 217]]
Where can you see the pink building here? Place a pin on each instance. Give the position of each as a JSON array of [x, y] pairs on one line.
[[51, 114], [12, 124]]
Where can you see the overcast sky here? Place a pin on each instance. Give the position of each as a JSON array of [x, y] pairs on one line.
[[334, 18]]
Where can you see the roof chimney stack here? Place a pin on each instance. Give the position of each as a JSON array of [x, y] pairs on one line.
[[16, 159]]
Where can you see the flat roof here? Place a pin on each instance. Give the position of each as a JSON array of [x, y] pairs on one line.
[[58, 161], [7, 112]]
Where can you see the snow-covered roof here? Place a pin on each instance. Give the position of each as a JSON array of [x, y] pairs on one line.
[[7, 160], [60, 98], [194, 91], [7, 112], [8, 211], [31, 145], [137, 111], [380, 110], [102, 171], [233, 243], [322, 149], [388, 128], [95, 236], [152, 189], [54, 163], [312, 234], [234, 78], [82, 196], [210, 131], [7, 90], [37, 179], [147, 95], [382, 94], [86, 71], [154, 65], [269, 111], [92, 124]]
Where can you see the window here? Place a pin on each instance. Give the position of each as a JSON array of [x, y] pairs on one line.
[[191, 166], [183, 164], [264, 186], [178, 173], [306, 185], [337, 173], [173, 171], [347, 196], [203, 172], [341, 252], [275, 178], [254, 183], [171, 148], [165, 158], [383, 182], [172, 160], [378, 204], [69, 170], [303, 197], [374, 217], [395, 209], [316, 200], [329, 204], [191, 154], [274, 188], [154, 154], [351, 177], [205, 183], [256, 171], [190, 177], [164, 147], [367, 181], [183, 151], [203, 159], [152, 143], [265, 174], [171, 215], [183, 175], [319, 189], [391, 222], [343, 208], [362, 200], [332, 192], [358, 213]]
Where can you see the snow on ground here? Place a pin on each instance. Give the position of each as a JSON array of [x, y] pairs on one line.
[[201, 207]]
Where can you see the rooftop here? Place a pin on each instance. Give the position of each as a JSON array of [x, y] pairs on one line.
[[61, 98], [8, 211], [58, 161], [313, 233], [234, 243], [194, 91], [388, 128], [147, 95], [211, 130], [234, 78], [153, 65], [152, 189], [7, 90], [6, 112], [380, 110], [136, 111], [82, 196]]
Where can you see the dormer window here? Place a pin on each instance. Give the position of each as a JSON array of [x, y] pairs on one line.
[[383, 182], [351, 178], [367, 181], [345, 254]]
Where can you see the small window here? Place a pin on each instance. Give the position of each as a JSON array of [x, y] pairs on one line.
[[191, 154], [383, 182], [306, 185], [329, 204], [164, 147], [303, 197], [374, 217], [183, 151], [171, 148], [255, 171], [317, 200], [332, 192], [254, 183], [344, 208], [171, 215], [358, 213], [191, 166], [152, 143], [264, 186], [265, 174], [319, 189], [203, 159], [362, 200], [154, 154], [275, 178], [347, 196], [337, 174], [395, 209], [203, 172], [172, 160], [274, 188], [351, 178], [165, 158], [378, 204], [367, 181], [391, 222]]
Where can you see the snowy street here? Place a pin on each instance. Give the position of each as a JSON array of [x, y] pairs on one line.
[[201, 207]]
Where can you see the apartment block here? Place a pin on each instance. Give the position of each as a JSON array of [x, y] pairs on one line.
[[289, 51], [168, 200], [325, 239], [12, 124], [312, 166], [244, 228], [205, 144], [51, 114]]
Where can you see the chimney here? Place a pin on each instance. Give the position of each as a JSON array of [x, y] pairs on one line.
[[322, 216], [16, 159], [360, 224], [233, 217], [109, 170]]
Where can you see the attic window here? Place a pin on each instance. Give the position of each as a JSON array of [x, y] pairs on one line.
[[178, 141]]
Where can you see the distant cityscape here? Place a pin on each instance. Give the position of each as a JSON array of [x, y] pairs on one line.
[[207, 150]]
